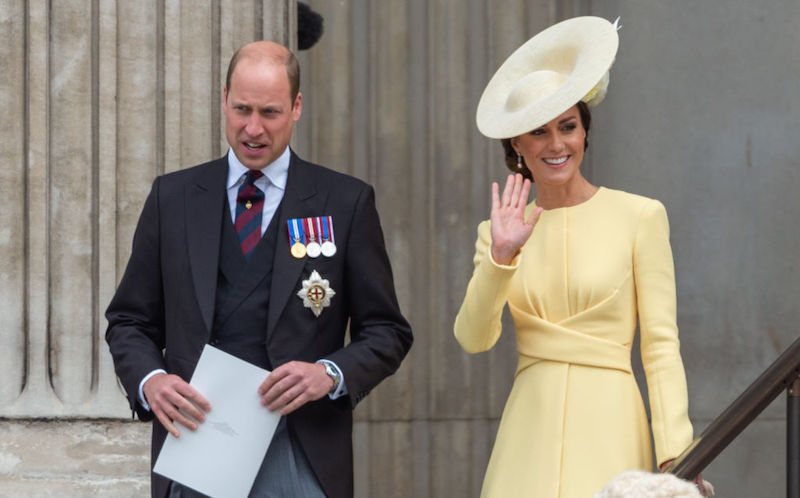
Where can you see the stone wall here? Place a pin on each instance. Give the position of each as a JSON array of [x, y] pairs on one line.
[[102, 458]]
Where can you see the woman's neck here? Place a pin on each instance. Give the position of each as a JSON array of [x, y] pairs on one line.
[[566, 195]]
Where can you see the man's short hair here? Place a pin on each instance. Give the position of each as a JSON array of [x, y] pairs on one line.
[[290, 62]]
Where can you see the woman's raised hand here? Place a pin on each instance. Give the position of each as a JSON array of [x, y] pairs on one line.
[[510, 229]]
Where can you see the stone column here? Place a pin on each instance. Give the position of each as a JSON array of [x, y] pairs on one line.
[[98, 97]]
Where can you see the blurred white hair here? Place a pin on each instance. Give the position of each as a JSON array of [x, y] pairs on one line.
[[641, 484]]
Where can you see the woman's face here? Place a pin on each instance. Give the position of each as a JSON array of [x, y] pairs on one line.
[[554, 151]]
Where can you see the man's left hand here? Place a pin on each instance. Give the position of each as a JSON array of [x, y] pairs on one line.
[[294, 384]]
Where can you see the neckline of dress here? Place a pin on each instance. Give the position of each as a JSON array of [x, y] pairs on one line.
[[580, 204]]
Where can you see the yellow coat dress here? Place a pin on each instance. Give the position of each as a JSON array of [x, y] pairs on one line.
[[575, 417]]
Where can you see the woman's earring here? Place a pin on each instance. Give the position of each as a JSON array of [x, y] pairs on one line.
[[519, 161]]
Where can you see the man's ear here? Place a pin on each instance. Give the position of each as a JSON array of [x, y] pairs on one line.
[[297, 107]]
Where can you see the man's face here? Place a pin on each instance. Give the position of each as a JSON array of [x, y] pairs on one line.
[[259, 114]]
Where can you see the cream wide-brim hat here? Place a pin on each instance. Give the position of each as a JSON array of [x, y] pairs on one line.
[[562, 65]]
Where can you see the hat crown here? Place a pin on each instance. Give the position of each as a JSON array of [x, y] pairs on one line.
[[532, 88], [547, 75]]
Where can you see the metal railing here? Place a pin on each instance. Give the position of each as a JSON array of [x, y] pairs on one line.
[[783, 374]]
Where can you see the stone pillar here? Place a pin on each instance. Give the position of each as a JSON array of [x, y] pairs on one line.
[[98, 97], [104, 96]]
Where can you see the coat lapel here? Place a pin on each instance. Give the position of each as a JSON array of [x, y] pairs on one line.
[[205, 200], [301, 199]]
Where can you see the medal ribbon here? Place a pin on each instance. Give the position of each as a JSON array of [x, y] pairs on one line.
[[327, 228], [318, 223], [295, 234], [309, 226]]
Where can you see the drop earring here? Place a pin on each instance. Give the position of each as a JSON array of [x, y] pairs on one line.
[[519, 161]]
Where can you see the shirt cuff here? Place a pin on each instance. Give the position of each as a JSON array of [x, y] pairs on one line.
[[342, 389], [143, 401]]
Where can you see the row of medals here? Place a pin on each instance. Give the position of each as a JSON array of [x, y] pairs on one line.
[[313, 249]]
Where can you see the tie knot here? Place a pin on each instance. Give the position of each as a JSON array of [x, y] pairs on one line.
[[252, 175]]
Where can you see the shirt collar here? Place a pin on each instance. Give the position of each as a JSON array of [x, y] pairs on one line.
[[276, 172]]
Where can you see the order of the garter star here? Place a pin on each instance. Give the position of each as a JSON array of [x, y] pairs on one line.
[[316, 293]]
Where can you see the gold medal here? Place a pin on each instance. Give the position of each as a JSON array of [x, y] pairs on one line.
[[298, 250]]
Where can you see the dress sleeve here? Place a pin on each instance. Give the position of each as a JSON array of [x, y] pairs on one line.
[[477, 325], [654, 275]]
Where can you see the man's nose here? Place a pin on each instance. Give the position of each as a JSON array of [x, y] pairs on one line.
[[253, 127]]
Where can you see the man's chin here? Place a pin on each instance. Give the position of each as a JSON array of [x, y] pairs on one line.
[[251, 160]]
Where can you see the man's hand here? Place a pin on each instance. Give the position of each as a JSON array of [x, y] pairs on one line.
[[172, 399], [294, 384]]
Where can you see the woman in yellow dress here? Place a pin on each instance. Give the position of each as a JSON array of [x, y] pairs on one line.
[[577, 267]]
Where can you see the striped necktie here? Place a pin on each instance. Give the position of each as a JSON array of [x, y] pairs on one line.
[[249, 209]]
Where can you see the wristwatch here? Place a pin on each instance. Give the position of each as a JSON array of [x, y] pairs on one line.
[[333, 373]]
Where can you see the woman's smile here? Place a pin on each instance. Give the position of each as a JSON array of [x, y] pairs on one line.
[[556, 162]]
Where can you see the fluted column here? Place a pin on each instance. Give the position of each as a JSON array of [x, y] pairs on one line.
[[99, 97]]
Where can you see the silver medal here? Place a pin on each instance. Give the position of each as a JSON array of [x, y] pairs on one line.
[[313, 250], [328, 248]]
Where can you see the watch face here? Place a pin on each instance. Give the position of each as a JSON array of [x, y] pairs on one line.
[[333, 375]]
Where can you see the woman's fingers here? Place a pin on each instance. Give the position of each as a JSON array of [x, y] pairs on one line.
[[516, 191], [525, 191], [534, 216], [508, 209], [507, 191], [522, 189]]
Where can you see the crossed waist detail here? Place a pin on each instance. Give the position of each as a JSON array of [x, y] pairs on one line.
[[538, 339]]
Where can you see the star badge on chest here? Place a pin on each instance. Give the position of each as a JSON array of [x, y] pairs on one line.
[[316, 293]]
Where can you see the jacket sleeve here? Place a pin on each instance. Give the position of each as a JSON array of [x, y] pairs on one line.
[[135, 332], [477, 326], [654, 275], [380, 336]]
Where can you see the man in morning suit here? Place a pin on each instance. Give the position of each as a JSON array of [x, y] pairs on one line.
[[235, 253]]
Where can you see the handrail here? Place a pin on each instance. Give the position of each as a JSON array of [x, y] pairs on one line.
[[793, 440], [779, 376]]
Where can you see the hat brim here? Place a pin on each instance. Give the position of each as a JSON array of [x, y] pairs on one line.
[[579, 51]]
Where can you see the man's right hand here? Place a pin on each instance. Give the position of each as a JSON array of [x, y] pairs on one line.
[[172, 399]]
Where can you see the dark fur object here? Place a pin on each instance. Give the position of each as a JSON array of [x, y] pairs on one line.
[[309, 26]]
